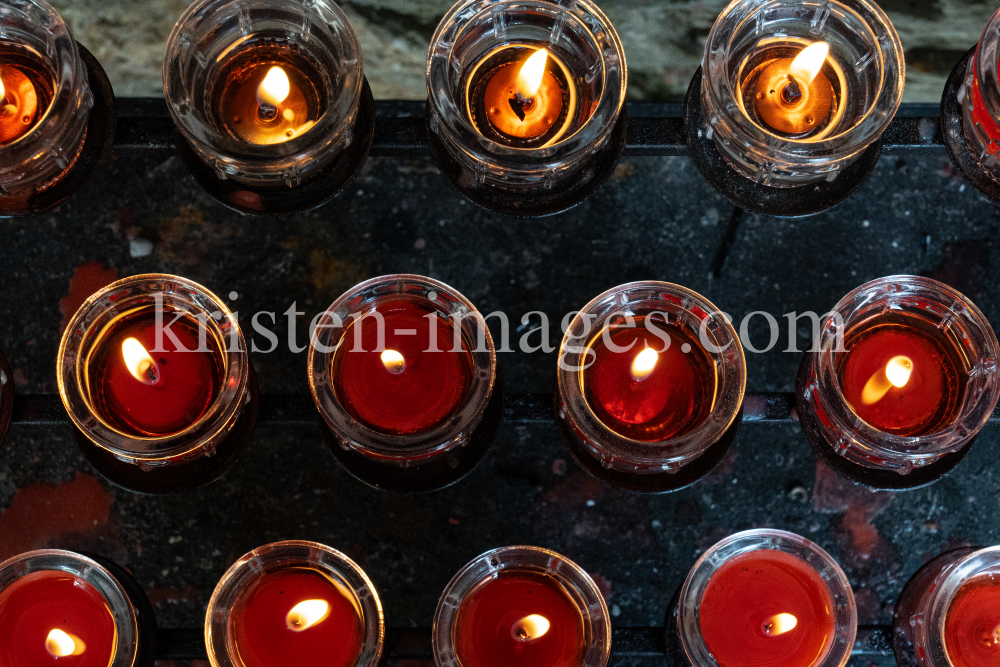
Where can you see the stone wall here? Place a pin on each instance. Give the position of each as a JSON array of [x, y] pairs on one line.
[[663, 40]]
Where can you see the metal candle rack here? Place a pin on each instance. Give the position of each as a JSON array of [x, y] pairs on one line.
[[144, 126]]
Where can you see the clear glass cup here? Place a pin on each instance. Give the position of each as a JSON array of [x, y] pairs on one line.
[[979, 97]]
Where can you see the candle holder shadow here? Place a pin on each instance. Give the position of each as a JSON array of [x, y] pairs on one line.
[[440, 473], [282, 201], [178, 478], [145, 618], [101, 124], [954, 135], [6, 396], [664, 482], [779, 202], [886, 480], [536, 202]]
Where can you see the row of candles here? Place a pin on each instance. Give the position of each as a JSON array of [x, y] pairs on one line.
[[757, 598], [526, 100], [155, 375]]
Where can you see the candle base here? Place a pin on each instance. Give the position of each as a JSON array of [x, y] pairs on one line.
[[6, 396], [533, 202], [954, 135], [145, 618], [442, 471], [912, 601], [741, 190], [96, 149], [874, 478], [660, 482], [183, 476], [283, 200]]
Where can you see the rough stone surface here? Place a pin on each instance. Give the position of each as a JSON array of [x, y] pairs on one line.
[[663, 39]]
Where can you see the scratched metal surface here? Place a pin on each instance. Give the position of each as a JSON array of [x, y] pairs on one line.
[[656, 219]]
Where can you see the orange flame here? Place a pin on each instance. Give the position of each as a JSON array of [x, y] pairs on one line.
[[530, 627], [393, 361], [809, 62], [896, 374], [60, 644], [644, 363], [529, 79], [306, 614], [275, 87], [139, 363], [779, 624]]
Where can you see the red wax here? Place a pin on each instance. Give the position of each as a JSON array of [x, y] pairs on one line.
[[34, 605], [972, 626], [187, 379], [750, 590], [983, 119], [928, 400], [488, 620], [674, 398], [259, 627], [431, 387]]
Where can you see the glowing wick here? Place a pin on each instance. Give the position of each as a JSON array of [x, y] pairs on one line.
[[271, 92], [530, 627], [59, 644], [779, 624], [393, 362], [643, 364], [897, 374], [306, 614], [139, 363]]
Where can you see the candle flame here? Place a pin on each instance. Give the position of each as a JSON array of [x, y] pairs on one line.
[[393, 361], [809, 62], [896, 374], [529, 80], [644, 363], [139, 363], [996, 635], [60, 644], [530, 627], [3, 91], [306, 614], [275, 87], [779, 624]]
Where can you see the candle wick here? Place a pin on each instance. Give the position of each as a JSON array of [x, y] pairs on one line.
[[267, 111], [519, 105], [791, 93]]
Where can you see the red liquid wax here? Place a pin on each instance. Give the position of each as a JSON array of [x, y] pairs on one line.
[[747, 592], [929, 399], [431, 386], [674, 398], [972, 626], [259, 628], [187, 381], [488, 620], [34, 605]]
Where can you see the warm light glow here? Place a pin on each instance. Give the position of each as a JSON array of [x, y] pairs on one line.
[[530, 627], [59, 644], [779, 624], [529, 80], [274, 88], [996, 635], [306, 614], [896, 374], [393, 362], [807, 64], [644, 363], [3, 91], [139, 363]]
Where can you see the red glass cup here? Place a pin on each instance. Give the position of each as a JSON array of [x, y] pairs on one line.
[[403, 371], [63, 607], [521, 605], [949, 613], [901, 379], [294, 603], [650, 386], [6, 396], [765, 597], [979, 97], [155, 375]]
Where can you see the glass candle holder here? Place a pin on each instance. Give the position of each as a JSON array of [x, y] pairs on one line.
[[793, 93], [763, 597], [60, 606], [903, 377], [270, 99], [52, 136], [949, 613], [403, 371], [6, 396], [526, 102], [294, 603], [154, 373], [521, 605], [979, 97], [650, 386]]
